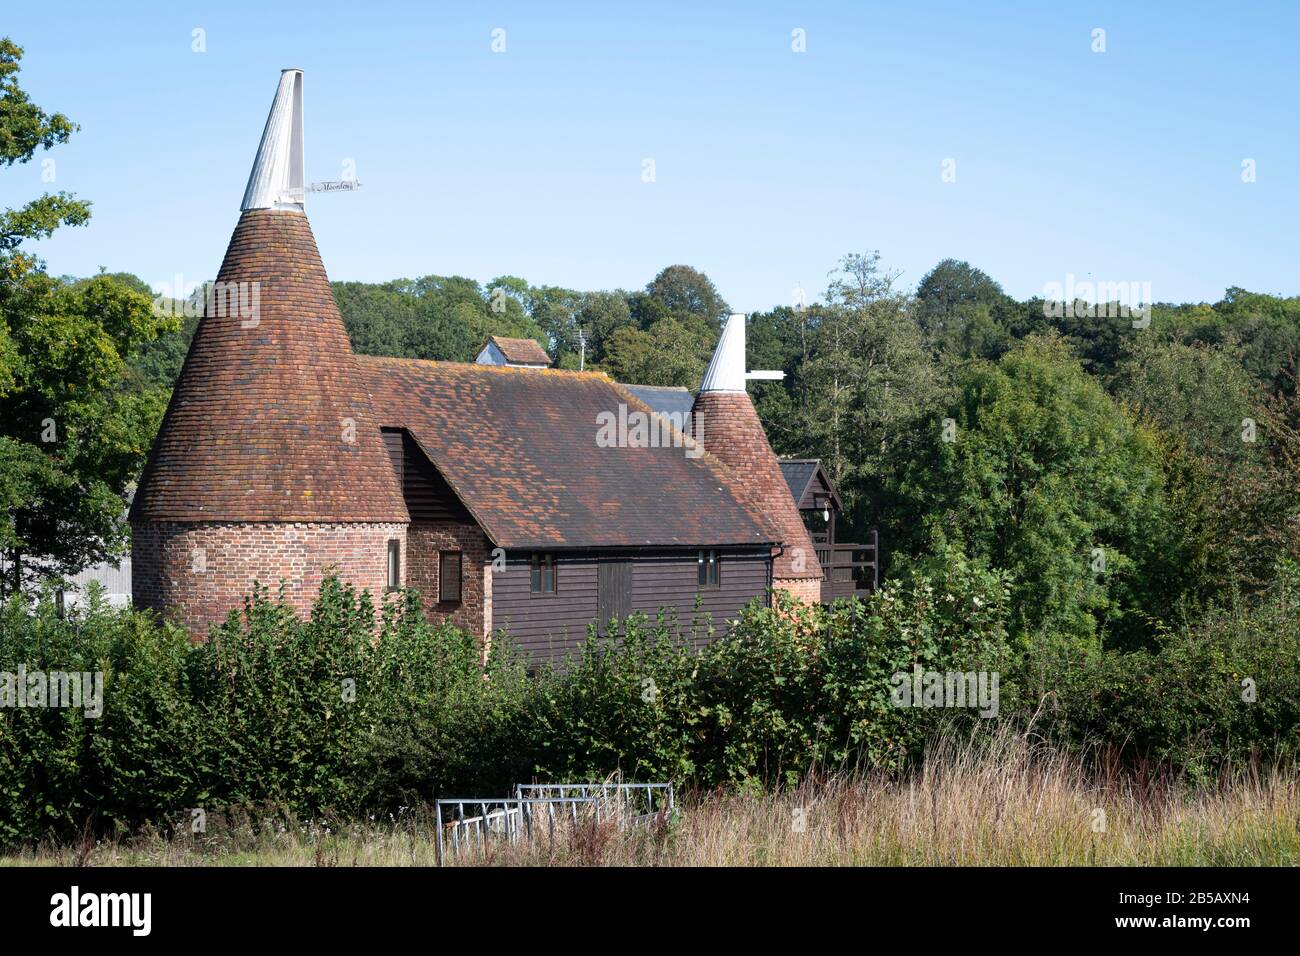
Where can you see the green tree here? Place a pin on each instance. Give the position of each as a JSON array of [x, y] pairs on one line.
[[781, 339], [685, 292], [453, 318], [73, 430], [1230, 456], [1036, 470], [1269, 329], [866, 381], [600, 314], [379, 317], [1200, 392], [555, 311], [678, 315], [670, 352], [443, 318], [963, 312]]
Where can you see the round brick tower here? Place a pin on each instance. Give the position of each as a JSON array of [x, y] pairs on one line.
[[269, 464], [729, 427]]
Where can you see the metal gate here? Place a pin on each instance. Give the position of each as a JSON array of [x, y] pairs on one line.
[[545, 809]]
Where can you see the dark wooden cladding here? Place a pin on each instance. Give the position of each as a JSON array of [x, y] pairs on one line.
[[809, 484], [393, 445], [428, 496], [742, 576], [546, 625], [614, 590], [552, 626], [817, 493]]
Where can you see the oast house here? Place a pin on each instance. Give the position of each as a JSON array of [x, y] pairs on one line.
[[511, 494]]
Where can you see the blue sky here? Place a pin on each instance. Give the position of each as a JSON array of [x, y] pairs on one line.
[[1122, 166]]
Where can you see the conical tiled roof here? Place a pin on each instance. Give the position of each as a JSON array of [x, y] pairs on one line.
[[731, 431], [269, 420], [733, 434]]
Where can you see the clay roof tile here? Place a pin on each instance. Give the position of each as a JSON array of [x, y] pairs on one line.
[[522, 351], [268, 420]]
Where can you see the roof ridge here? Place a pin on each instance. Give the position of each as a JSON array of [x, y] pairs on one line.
[[526, 457], [598, 374]]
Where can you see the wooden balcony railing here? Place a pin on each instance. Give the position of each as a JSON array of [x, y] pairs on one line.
[[850, 569]]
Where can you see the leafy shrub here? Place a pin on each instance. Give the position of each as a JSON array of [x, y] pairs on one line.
[[788, 688], [358, 710], [801, 685], [441, 717], [627, 705], [338, 713], [1226, 690], [59, 766]]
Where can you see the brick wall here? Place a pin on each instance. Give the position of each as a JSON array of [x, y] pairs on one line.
[[807, 590], [425, 541], [196, 573], [730, 430]]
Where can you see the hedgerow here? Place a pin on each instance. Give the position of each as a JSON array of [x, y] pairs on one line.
[[358, 709]]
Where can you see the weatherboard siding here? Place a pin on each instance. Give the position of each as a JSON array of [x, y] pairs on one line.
[[552, 626], [673, 581], [546, 626], [428, 496]]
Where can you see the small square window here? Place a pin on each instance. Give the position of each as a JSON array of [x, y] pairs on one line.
[[543, 573], [708, 576], [394, 564], [449, 577]]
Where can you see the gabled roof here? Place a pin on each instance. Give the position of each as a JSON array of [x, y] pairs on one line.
[[664, 399], [520, 351], [798, 472], [808, 480], [521, 451]]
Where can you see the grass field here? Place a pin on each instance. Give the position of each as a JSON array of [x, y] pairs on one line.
[[1014, 803]]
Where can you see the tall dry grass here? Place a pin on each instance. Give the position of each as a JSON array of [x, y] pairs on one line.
[[1005, 799]]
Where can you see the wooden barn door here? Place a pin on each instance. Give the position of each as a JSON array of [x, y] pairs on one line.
[[613, 590]]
